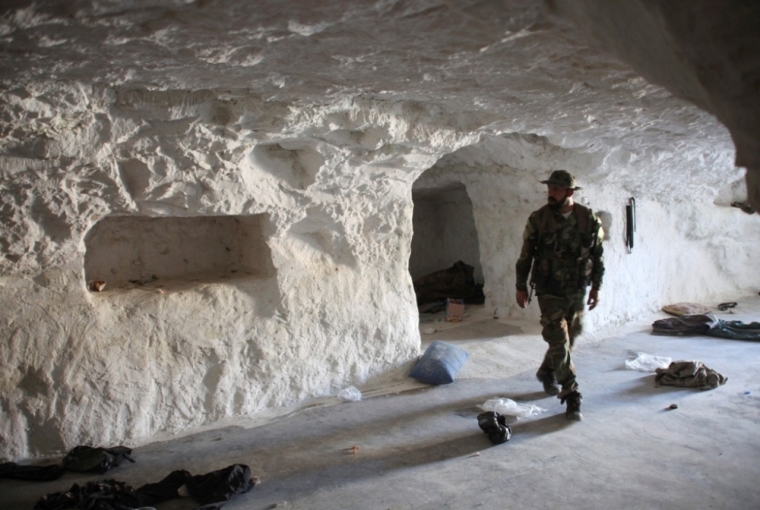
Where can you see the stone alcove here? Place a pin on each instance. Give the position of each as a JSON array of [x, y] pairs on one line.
[[128, 250]]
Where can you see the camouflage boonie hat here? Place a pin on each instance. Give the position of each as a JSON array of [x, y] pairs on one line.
[[561, 178]]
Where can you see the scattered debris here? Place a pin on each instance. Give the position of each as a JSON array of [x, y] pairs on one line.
[[429, 331], [81, 459], [679, 309], [435, 307], [494, 425], [96, 285], [350, 394], [511, 408], [458, 281], [689, 374], [726, 306], [647, 363], [99, 460], [211, 490], [454, 310], [707, 325]]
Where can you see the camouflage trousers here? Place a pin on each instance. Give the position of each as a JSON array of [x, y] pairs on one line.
[[561, 318]]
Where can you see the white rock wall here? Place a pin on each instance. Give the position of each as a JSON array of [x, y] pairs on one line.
[[333, 303], [690, 247]]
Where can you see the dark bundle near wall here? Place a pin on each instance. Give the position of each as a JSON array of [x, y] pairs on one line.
[[456, 282]]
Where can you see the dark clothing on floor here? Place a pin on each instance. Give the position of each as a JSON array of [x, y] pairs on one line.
[[456, 282], [706, 324], [212, 490], [36, 473], [99, 460], [81, 459]]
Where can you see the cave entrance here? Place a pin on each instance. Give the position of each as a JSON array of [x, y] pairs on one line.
[[445, 256]]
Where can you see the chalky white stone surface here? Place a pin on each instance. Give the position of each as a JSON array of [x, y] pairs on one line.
[[316, 119]]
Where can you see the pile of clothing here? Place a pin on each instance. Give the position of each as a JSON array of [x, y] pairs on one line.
[[212, 490], [707, 324], [689, 374], [456, 282]]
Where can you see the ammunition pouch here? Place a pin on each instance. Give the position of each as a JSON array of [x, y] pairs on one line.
[[549, 276], [585, 266]]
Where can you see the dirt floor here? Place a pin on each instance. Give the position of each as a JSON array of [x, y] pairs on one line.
[[419, 447]]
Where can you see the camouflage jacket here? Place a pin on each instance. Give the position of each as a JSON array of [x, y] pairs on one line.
[[566, 254]]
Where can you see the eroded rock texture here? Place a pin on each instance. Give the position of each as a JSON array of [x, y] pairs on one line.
[[241, 176]]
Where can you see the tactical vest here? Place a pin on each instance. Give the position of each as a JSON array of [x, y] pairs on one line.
[[562, 267]]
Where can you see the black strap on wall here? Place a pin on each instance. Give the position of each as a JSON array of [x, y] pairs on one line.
[[630, 223]]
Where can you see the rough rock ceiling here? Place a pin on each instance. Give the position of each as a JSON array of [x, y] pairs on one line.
[[702, 50], [488, 66]]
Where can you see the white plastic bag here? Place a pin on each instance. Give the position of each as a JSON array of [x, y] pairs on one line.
[[509, 407], [647, 363], [350, 394]]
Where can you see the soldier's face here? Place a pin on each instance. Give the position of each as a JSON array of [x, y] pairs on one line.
[[557, 195]]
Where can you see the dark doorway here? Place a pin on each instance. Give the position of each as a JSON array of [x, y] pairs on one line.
[[445, 257]]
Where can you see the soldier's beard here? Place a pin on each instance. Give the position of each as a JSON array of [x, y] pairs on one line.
[[555, 204]]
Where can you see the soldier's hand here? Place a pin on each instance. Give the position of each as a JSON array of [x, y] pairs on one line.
[[593, 299], [522, 298]]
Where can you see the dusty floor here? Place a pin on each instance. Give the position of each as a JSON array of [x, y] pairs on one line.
[[420, 447]]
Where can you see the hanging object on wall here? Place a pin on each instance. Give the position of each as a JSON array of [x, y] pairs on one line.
[[630, 223]]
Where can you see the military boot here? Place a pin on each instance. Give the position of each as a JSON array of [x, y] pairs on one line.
[[573, 411], [549, 379]]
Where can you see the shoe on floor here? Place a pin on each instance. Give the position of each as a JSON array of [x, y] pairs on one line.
[[573, 411], [549, 379], [495, 427]]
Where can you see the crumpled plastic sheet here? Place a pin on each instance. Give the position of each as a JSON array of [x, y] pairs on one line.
[[350, 394], [647, 362], [509, 407]]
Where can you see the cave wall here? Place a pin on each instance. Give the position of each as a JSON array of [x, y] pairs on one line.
[[317, 119], [316, 294], [688, 247], [329, 300]]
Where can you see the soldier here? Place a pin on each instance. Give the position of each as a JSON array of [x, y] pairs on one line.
[[563, 243]]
